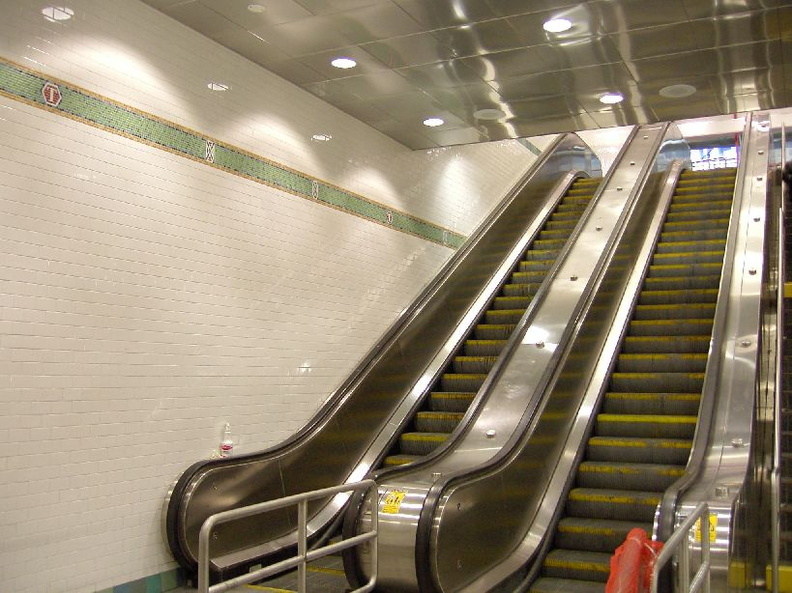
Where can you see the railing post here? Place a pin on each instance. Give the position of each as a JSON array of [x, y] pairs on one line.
[[300, 561]]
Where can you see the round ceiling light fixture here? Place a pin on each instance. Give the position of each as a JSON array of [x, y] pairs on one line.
[[256, 8], [433, 122], [611, 98], [321, 137], [558, 25], [677, 91], [488, 114], [343, 63], [217, 86], [57, 13]]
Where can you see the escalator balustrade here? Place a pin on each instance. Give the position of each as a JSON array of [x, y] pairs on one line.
[[643, 430], [454, 391]]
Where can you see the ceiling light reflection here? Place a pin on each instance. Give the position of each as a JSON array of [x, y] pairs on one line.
[[343, 63], [611, 98], [558, 25], [57, 13]]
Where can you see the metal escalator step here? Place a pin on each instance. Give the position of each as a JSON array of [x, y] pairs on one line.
[[540, 254], [689, 362], [639, 450], [653, 426], [577, 564], [709, 282], [670, 327], [525, 289], [566, 224], [536, 265], [421, 443], [473, 364], [555, 585], [707, 205], [493, 331], [484, 347], [621, 475], [511, 302], [594, 535], [461, 381], [527, 277], [701, 215], [662, 297], [675, 234], [394, 460], [562, 234], [689, 246], [451, 401], [433, 421], [665, 382], [503, 316], [548, 243], [626, 505], [660, 344], [651, 403], [694, 227], [692, 269], [674, 311], [684, 257]]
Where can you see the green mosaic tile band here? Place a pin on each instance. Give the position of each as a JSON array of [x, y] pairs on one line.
[[37, 89]]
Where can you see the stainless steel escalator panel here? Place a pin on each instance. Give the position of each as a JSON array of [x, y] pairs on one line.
[[510, 395], [719, 471], [335, 445]]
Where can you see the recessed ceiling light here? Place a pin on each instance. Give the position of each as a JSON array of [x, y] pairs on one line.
[[257, 8], [217, 86], [321, 137], [677, 91], [57, 13], [344, 63], [488, 114], [433, 122], [558, 25], [611, 98]]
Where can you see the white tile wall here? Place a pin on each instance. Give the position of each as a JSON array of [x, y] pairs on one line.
[[146, 299]]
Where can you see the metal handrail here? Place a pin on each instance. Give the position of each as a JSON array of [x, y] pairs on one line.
[[775, 473], [304, 556], [678, 545]]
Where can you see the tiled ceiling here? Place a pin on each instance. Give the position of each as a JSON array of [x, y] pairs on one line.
[[461, 59]]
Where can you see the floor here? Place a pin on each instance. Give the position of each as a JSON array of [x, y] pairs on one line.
[[326, 575]]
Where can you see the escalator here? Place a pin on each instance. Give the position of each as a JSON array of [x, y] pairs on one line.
[[467, 371], [643, 431], [357, 426]]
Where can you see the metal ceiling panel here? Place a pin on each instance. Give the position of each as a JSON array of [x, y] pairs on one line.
[[453, 58]]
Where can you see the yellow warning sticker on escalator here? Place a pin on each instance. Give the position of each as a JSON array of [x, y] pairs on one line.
[[698, 533], [392, 501]]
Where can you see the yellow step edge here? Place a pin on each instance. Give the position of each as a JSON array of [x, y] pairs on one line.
[[638, 444], [577, 565], [649, 500], [686, 397], [653, 418]]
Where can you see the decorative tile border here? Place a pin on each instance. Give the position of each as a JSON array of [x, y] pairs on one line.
[[35, 88]]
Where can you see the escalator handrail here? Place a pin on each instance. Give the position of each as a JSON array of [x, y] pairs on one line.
[[182, 488], [666, 512]]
